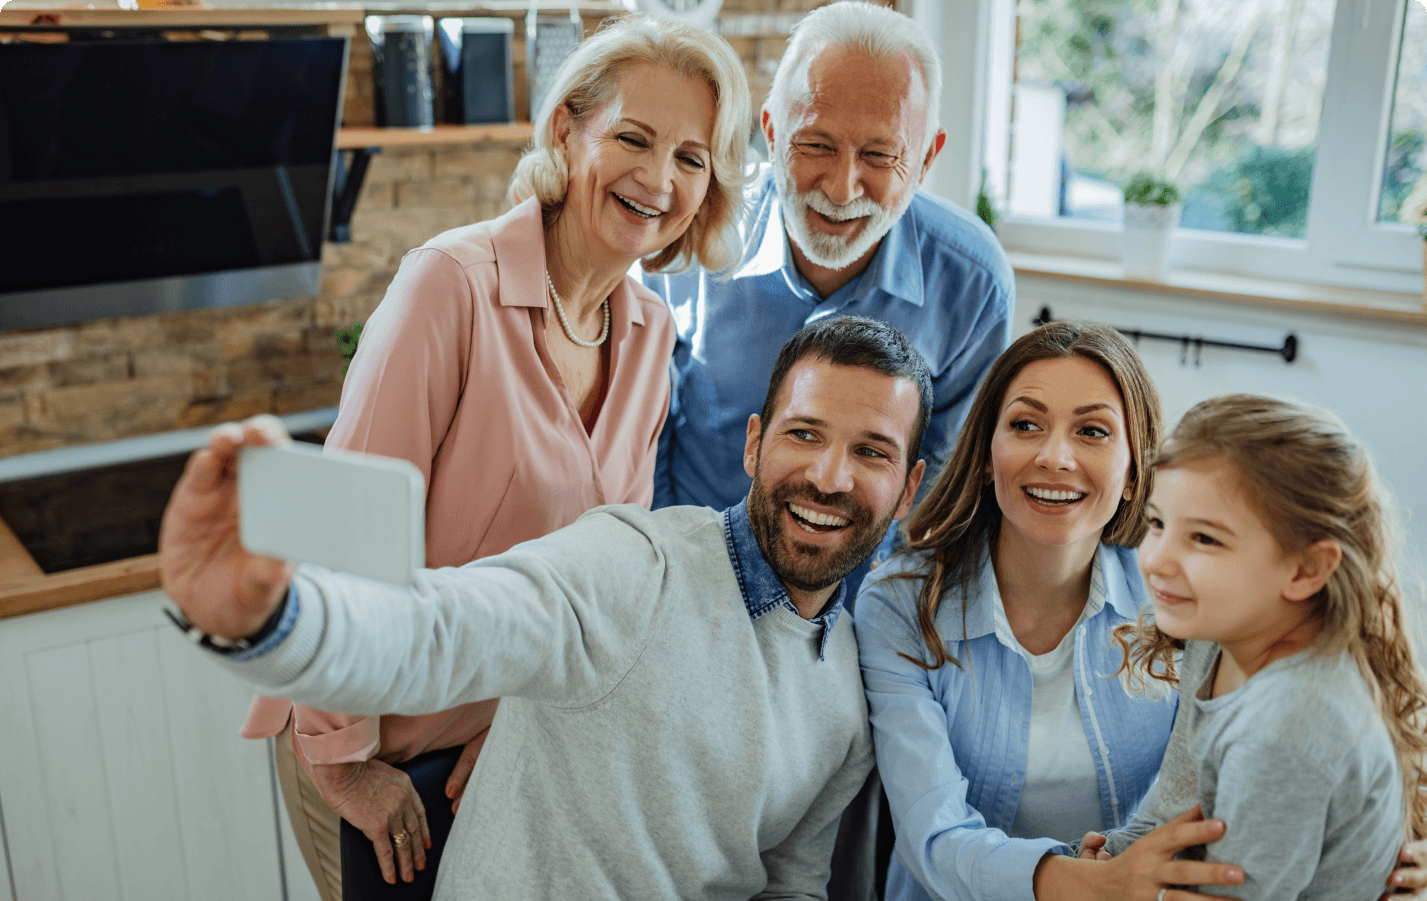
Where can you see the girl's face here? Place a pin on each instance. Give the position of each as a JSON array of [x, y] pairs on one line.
[[1215, 571], [1060, 455]]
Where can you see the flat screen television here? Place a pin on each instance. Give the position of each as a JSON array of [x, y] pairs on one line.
[[142, 176]]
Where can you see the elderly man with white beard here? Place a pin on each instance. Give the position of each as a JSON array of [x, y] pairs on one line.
[[836, 226]]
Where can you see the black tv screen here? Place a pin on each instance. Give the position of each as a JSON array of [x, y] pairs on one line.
[[139, 176]]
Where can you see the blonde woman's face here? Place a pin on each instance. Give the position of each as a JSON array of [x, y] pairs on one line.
[[640, 165]]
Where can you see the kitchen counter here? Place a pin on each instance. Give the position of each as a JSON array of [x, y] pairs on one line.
[[25, 588]]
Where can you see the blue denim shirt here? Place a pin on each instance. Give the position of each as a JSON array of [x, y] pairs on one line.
[[761, 588], [953, 743], [939, 275]]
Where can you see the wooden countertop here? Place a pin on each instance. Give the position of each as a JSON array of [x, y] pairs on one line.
[[25, 588]]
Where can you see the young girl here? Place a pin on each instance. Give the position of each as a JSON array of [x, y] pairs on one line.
[[1301, 711]]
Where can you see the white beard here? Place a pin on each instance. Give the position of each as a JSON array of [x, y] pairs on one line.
[[833, 251]]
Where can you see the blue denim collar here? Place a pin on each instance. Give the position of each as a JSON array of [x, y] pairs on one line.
[[762, 589]]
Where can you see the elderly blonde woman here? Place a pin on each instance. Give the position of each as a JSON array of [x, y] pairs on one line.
[[518, 366]]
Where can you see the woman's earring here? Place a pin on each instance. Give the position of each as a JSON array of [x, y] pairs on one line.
[[1129, 493]]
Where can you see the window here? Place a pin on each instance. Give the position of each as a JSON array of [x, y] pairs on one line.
[[1295, 127]]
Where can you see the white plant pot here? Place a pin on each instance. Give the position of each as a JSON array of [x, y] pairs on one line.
[[1147, 234]]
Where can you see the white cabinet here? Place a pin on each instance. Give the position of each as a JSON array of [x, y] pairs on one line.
[[122, 775]]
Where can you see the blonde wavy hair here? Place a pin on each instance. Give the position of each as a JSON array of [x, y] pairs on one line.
[[959, 519], [588, 79], [1310, 480]]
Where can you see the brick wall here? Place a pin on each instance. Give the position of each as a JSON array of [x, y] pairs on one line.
[[117, 378]]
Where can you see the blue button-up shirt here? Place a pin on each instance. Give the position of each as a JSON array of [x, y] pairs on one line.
[[953, 743], [939, 275], [762, 590]]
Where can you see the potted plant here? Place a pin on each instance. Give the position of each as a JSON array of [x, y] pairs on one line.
[[1152, 208], [1414, 212], [985, 209]]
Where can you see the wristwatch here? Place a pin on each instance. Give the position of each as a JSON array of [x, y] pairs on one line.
[[219, 644]]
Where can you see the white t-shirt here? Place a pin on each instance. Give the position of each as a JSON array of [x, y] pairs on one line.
[[1061, 796]]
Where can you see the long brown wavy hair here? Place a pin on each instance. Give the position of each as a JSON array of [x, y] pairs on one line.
[[959, 519], [1310, 480]]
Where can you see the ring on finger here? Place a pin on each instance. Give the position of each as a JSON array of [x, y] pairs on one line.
[[401, 838], [1160, 896]]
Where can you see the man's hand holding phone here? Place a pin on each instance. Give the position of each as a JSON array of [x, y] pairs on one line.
[[221, 587]]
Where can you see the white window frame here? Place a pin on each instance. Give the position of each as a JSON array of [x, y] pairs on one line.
[[1344, 244]]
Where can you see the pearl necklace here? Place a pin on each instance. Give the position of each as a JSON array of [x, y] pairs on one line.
[[560, 311]]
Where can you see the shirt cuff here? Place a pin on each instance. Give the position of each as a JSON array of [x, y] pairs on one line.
[[286, 653], [351, 744]]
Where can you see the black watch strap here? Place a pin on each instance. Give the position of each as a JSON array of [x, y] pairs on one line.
[[217, 643]]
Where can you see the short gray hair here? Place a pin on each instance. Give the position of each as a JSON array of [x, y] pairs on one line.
[[587, 80], [875, 30]]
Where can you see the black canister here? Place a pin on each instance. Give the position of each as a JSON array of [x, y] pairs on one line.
[[401, 70], [478, 83]]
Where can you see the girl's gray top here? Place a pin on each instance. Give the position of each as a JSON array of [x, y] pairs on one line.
[[1298, 765]]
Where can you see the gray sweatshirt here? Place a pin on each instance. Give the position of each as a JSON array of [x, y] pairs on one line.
[[1298, 765], [654, 740]]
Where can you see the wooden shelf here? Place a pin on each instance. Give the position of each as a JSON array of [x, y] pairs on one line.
[[177, 17], [357, 138]]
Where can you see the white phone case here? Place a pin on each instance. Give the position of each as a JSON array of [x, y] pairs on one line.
[[347, 511]]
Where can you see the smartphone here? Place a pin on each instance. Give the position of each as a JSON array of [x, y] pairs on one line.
[[352, 512]]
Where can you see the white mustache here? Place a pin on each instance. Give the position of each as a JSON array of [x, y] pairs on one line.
[[857, 208]]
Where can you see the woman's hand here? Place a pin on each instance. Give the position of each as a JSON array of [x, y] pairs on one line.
[[219, 586], [1145, 871], [1409, 881], [379, 800], [461, 773]]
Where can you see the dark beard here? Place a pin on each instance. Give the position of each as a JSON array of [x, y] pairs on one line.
[[811, 570]]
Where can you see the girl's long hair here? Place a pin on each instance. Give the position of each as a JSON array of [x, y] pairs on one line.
[[1310, 480], [959, 519]]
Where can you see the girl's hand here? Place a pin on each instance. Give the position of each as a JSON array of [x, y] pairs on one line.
[[1092, 847], [1410, 879]]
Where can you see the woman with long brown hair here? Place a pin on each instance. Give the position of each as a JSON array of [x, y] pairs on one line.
[[985, 644]]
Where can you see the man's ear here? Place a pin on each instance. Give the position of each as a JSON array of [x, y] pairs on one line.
[[1316, 564], [767, 123], [750, 446], [909, 493], [937, 143]]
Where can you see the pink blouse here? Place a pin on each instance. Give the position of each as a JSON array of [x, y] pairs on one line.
[[454, 375]]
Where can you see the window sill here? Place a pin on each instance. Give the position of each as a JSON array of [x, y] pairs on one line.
[[1328, 300]]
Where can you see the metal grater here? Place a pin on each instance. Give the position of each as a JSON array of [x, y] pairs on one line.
[[548, 40]]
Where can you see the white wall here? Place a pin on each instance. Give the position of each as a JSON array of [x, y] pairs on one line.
[[1372, 375]]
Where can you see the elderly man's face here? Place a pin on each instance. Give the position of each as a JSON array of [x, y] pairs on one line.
[[851, 154]]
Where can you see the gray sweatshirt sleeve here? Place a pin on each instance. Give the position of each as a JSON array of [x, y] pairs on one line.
[[557, 620]]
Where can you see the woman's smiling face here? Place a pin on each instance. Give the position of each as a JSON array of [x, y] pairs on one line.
[[639, 166], [1060, 455]]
